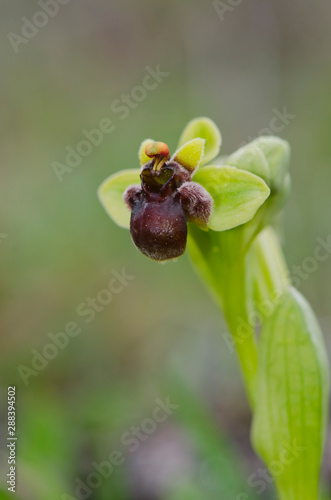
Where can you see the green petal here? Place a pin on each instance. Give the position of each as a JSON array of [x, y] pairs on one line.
[[237, 195], [143, 158], [251, 158], [110, 194], [277, 152], [205, 129], [190, 154]]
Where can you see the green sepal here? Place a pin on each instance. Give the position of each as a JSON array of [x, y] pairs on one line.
[[206, 129], [236, 194], [110, 194]]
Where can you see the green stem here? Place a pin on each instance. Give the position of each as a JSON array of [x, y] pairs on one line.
[[220, 261], [228, 271], [236, 315]]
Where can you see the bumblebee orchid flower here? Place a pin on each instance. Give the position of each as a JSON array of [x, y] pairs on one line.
[[169, 192], [227, 209]]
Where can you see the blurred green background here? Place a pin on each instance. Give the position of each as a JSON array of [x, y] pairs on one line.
[[161, 336]]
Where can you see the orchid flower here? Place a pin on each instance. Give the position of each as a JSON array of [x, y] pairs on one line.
[[158, 200]]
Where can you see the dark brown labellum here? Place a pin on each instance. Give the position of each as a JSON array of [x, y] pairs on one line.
[[161, 207], [158, 227]]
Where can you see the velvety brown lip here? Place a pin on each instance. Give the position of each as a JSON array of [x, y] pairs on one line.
[[161, 207]]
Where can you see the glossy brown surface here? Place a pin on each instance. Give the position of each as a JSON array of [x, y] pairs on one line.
[[158, 228], [160, 210]]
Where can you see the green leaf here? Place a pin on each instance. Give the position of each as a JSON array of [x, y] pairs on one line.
[[190, 154], [251, 158], [237, 195], [110, 194], [143, 158], [205, 129], [292, 397], [277, 152]]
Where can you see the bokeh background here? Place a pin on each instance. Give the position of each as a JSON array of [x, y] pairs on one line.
[[161, 336]]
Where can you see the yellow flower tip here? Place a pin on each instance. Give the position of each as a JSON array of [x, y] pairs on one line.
[[157, 149]]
